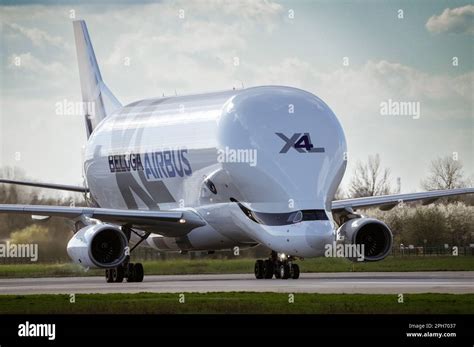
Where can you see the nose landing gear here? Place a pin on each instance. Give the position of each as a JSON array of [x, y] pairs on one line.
[[280, 266]]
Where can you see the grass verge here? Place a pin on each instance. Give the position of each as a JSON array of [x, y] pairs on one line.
[[238, 303]]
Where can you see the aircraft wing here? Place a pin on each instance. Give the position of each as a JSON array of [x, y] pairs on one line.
[[166, 223], [47, 185], [386, 202]]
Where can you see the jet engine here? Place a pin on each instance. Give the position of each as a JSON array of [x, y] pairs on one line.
[[372, 238], [98, 245]]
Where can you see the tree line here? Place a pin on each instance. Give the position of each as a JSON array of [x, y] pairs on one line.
[[448, 221]]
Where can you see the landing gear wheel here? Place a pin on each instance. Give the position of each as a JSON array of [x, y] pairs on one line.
[[284, 271], [109, 275], [281, 266], [130, 272], [118, 274], [277, 271], [139, 273], [294, 271], [259, 269], [268, 269]]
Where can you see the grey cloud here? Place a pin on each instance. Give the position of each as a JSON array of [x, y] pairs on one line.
[[457, 20]]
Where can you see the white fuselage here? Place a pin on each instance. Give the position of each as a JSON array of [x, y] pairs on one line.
[[245, 160]]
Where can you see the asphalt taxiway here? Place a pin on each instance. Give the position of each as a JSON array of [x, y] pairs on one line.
[[341, 282]]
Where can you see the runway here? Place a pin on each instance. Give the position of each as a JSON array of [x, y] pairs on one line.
[[347, 282]]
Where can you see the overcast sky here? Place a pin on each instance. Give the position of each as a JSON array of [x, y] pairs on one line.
[[147, 49]]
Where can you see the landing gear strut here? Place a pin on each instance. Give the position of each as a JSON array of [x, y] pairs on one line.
[[281, 267], [132, 272]]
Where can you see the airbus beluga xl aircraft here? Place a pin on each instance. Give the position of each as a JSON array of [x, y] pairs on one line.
[[213, 171]]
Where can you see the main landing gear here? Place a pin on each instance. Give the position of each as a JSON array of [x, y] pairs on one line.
[[132, 272], [279, 266]]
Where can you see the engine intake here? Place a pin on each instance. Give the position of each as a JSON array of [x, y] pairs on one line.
[[374, 235], [98, 245]]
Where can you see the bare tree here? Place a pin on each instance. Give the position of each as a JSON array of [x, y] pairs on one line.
[[370, 179], [445, 173]]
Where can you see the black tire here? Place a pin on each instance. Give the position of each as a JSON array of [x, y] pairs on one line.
[[284, 271], [277, 271], [108, 276], [295, 271], [268, 269], [130, 272], [118, 274], [139, 272], [259, 269]]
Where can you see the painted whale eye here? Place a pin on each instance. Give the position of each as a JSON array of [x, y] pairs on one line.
[[211, 186], [298, 217]]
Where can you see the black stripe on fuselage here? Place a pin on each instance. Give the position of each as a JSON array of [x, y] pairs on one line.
[[285, 218]]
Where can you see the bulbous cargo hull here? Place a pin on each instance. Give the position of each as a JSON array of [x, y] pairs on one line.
[[274, 151]]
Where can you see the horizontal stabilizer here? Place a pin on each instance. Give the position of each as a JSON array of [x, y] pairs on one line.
[[47, 185]]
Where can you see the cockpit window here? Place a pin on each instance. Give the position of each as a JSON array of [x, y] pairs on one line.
[[282, 218]]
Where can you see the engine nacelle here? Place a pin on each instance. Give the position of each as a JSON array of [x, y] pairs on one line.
[[374, 235], [98, 245]]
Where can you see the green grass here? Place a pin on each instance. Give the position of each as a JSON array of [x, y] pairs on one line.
[[210, 266], [237, 302]]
